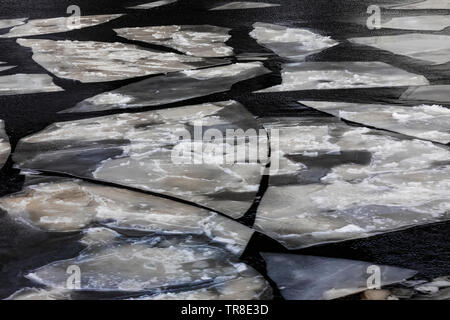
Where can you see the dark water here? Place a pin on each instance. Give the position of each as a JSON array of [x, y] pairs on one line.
[[425, 248]]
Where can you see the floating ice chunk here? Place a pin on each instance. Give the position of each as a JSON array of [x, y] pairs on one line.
[[5, 148], [56, 204], [429, 122], [146, 265], [343, 75], [27, 83], [429, 48], [172, 87], [343, 182], [40, 294], [428, 94], [317, 278], [153, 4], [426, 23], [8, 23], [244, 5], [144, 150], [3, 68], [419, 5], [292, 43], [195, 40], [57, 25], [90, 61]]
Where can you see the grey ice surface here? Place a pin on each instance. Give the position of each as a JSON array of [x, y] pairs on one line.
[[318, 278], [173, 87], [27, 83], [5, 148], [343, 75], [244, 5], [420, 5], [153, 4], [428, 94], [8, 23], [425, 23]]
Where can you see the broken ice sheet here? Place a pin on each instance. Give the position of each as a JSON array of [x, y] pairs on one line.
[[57, 25], [149, 264], [338, 182], [8, 23], [292, 43], [27, 83], [173, 87], [428, 122], [59, 204], [144, 150], [428, 48], [419, 5], [428, 94], [3, 67], [90, 61], [5, 147], [426, 23], [153, 4], [244, 5], [343, 75], [194, 40], [318, 278]]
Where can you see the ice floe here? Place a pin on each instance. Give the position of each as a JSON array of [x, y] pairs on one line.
[[153, 4], [90, 61], [3, 67], [173, 87], [318, 278], [244, 5], [429, 122], [343, 75], [149, 265], [144, 150], [5, 148], [428, 94], [419, 5], [57, 25], [428, 48], [58, 204], [426, 23], [194, 40], [8, 23], [27, 83], [337, 182], [292, 43]]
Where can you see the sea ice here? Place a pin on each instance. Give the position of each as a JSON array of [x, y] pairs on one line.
[[27, 83], [8, 23], [337, 182], [425, 23], [173, 87], [57, 25], [419, 5], [428, 48], [343, 75], [244, 5], [153, 4], [318, 278], [144, 150], [90, 61], [5, 148], [292, 43], [429, 122], [195, 40], [428, 94]]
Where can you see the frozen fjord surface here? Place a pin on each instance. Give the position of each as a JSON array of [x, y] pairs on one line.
[[317, 278], [173, 87], [428, 94], [148, 265], [244, 5], [343, 75], [425, 23], [419, 5], [136, 150], [292, 43], [5, 147], [91, 61], [22, 83], [337, 182], [59, 204], [428, 48], [194, 40], [428, 122], [57, 25], [8, 23], [153, 4]]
